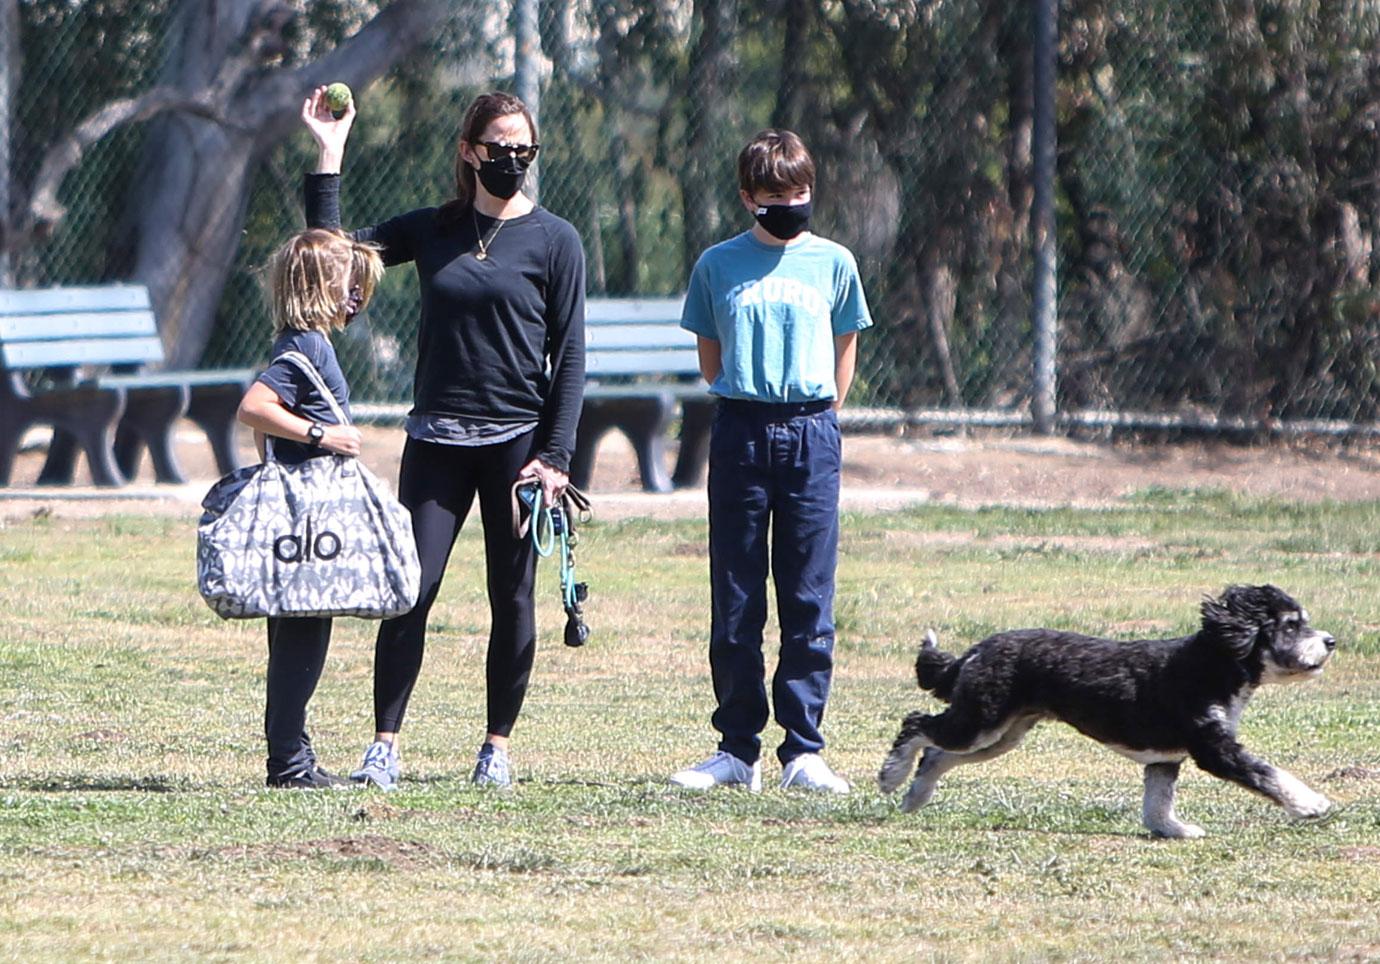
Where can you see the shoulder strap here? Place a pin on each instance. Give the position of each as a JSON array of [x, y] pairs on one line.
[[303, 364]]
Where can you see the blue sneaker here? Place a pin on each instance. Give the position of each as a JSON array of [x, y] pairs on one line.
[[493, 768], [380, 766]]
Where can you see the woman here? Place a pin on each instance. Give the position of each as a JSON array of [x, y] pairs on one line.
[[497, 395]]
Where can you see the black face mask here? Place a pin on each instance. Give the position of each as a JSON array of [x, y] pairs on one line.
[[353, 302], [502, 177], [785, 221]]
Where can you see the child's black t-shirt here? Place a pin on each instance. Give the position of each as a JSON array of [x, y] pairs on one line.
[[297, 392]]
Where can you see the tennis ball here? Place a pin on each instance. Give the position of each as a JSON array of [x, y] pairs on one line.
[[338, 98]]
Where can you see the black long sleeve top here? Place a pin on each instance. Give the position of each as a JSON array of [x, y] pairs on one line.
[[500, 339]]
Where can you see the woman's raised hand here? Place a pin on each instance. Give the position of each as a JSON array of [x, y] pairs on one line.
[[329, 132]]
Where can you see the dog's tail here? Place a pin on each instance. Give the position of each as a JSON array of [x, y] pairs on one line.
[[935, 671]]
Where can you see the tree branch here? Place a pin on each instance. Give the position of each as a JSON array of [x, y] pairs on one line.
[[43, 211]]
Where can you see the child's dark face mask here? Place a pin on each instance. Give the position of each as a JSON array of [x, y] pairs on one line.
[[353, 302], [784, 221]]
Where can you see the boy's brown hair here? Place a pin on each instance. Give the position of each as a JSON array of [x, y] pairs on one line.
[[775, 161], [318, 278]]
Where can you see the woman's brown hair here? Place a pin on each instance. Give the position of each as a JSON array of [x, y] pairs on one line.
[[485, 109], [312, 277]]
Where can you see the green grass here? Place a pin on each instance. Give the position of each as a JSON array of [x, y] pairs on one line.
[[133, 823]]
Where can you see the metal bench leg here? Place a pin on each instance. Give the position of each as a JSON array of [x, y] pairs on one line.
[[213, 409], [99, 444], [592, 428], [150, 416], [12, 429], [695, 421], [85, 419], [61, 464], [645, 424], [643, 420]]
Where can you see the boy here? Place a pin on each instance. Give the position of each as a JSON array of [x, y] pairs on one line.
[[776, 311]]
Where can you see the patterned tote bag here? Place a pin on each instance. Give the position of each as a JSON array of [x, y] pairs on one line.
[[324, 538]]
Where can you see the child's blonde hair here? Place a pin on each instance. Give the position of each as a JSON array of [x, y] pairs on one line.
[[312, 277]]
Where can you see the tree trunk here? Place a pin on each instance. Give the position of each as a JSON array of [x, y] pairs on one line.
[[527, 76], [790, 89], [939, 296], [9, 77], [707, 94], [188, 197]]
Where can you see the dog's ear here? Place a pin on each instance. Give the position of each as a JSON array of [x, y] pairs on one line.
[[1236, 619]]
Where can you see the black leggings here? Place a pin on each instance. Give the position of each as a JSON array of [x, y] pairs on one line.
[[296, 653], [438, 484]]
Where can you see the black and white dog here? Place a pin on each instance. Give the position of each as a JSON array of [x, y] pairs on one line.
[[1154, 701]]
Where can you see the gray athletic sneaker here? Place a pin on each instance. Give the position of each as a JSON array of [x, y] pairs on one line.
[[493, 768], [380, 766]]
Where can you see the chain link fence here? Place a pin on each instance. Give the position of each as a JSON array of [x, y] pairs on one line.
[[1216, 181]]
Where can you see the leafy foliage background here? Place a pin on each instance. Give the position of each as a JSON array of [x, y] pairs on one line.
[[1217, 178]]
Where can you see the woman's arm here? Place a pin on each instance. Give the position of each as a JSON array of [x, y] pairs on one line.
[[263, 411], [329, 132], [322, 187], [565, 346]]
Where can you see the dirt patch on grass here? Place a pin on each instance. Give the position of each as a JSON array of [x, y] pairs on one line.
[[1354, 773], [375, 810], [397, 854]]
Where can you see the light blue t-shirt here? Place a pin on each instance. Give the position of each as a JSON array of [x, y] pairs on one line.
[[775, 310]]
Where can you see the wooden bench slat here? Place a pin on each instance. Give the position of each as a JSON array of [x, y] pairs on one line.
[[606, 337], [113, 351], [112, 417], [619, 311], [84, 324], [192, 379], [675, 362], [61, 300], [675, 391]]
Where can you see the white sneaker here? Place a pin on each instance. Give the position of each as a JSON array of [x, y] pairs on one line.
[[809, 772], [380, 766], [721, 769]]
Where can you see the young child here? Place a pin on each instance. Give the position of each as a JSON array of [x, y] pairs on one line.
[[317, 281], [776, 311]]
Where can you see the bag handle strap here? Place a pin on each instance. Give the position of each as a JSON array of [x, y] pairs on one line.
[[303, 364]]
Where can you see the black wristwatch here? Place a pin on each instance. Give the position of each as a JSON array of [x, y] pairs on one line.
[[315, 433]]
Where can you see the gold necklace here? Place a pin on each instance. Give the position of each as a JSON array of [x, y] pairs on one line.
[[481, 240]]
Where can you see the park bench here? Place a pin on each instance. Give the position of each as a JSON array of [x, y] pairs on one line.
[[641, 370], [74, 358]]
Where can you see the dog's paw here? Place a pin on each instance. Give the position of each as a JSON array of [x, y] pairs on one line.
[[919, 794], [1309, 807], [1178, 830], [893, 774]]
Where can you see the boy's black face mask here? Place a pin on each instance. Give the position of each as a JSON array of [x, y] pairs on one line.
[[503, 176], [784, 221]]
